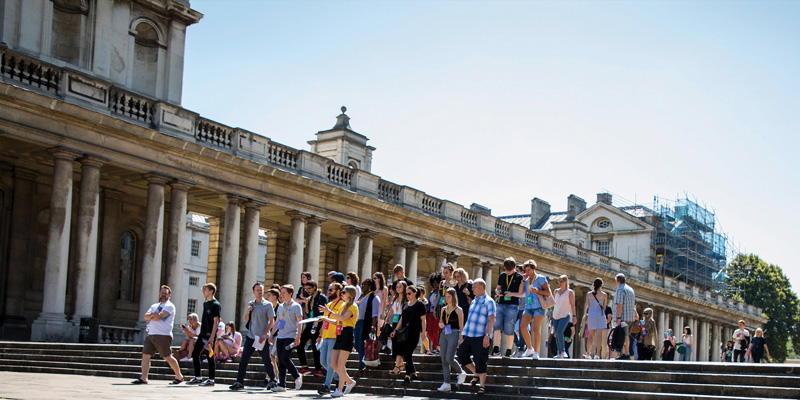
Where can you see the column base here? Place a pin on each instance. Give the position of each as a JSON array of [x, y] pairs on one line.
[[54, 328]]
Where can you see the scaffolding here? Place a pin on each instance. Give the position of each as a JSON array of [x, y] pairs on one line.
[[687, 244]]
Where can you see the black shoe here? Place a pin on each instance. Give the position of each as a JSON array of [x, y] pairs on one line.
[[508, 353], [406, 381], [195, 381], [624, 357], [272, 384], [236, 386], [496, 351], [324, 390]]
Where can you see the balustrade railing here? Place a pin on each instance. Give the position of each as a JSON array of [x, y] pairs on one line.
[[432, 205], [131, 106], [388, 191], [118, 334], [558, 248], [502, 229], [340, 175], [282, 155], [215, 134], [583, 256], [30, 72], [469, 218], [531, 239]]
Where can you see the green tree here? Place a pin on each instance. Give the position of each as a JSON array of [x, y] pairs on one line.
[[766, 286]]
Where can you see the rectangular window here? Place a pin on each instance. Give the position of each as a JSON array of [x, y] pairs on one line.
[[195, 248], [193, 280], [191, 306], [604, 247]]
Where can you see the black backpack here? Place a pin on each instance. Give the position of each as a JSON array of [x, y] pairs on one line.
[[616, 338]]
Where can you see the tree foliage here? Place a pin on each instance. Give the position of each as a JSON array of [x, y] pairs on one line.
[[766, 286]]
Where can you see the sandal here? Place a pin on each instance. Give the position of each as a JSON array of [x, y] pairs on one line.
[[139, 381], [481, 390], [395, 371], [474, 381], [176, 381]]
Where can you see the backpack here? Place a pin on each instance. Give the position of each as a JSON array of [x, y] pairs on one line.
[[616, 338]]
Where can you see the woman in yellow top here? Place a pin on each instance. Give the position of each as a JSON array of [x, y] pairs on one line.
[[345, 321], [327, 337]]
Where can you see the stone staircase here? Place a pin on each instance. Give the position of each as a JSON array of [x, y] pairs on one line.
[[508, 378]]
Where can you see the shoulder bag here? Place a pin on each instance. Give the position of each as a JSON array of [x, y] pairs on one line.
[[546, 301]]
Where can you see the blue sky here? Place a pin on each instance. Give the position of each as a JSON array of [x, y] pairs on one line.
[[499, 102]]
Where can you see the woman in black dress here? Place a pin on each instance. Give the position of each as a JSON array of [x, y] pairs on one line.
[[463, 290], [412, 321]]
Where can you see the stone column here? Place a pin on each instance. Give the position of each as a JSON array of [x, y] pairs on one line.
[[453, 259], [677, 326], [693, 325], [440, 259], [488, 276], [411, 261], [545, 333], [351, 250], [86, 236], [252, 216], [52, 324], [296, 245], [153, 244], [176, 249], [706, 328], [365, 260], [15, 327], [399, 255], [229, 274], [715, 342], [662, 328], [314, 225], [477, 271]]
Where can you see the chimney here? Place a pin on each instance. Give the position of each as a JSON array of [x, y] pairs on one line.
[[540, 210], [604, 198], [575, 206]]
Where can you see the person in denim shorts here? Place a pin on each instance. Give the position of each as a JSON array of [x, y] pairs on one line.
[[532, 285], [508, 284]]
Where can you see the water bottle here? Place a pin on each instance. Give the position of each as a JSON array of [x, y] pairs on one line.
[[289, 346]]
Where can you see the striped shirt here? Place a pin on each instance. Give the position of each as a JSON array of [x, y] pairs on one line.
[[479, 311]]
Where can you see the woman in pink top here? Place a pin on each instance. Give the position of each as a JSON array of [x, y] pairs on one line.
[[230, 344]]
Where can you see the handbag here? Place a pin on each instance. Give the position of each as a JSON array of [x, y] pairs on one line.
[[401, 334], [547, 301], [372, 356]]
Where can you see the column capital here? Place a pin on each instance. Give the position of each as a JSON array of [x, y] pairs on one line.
[[232, 198], [412, 246], [61, 153], [399, 241], [368, 233], [440, 253], [156, 179], [92, 161], [452, 257], [477, 263], [250, 203], [352, 229], [294, 214], [316, 220], [178, 184]]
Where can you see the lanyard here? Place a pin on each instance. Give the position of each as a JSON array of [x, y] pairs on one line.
[[447, 316], [509, 278], [285, 309], [363, 298]]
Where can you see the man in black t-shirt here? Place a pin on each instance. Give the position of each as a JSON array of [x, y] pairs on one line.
[[208, 333], [507, 306], [400, 275]]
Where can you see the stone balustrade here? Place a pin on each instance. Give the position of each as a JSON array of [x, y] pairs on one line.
[[176, 121], [110, 334]]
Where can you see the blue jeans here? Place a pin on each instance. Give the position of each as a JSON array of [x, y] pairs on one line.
[[686, 355], [560, 326], [359, 343], [325, 351], [518, 341], [505, 318]]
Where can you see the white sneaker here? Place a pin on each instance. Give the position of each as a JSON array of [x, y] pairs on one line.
[[557, 356], [462, 377], [337, 393], [535, 355], [596, 357], [298, 383], [444, 388], [564, 355], [186, 359], [528, 353], [348, 387], [279, 389]]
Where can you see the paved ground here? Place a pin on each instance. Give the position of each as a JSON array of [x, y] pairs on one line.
[[21, 385]]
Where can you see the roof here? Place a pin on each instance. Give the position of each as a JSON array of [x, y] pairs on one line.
[[525, 220]]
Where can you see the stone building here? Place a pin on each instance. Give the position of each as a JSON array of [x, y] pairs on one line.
[[99, 166]]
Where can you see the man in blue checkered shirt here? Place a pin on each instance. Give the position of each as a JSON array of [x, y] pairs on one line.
[[476, 337], [625, 301]]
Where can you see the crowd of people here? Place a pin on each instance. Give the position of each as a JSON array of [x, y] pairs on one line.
[[463, 321]]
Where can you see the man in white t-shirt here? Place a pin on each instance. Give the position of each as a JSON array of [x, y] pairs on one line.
[[159, 318], [741, 339]]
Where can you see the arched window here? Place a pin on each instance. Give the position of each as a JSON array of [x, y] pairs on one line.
[[127, 266], [68, 30], [145, 58], [353, 164]]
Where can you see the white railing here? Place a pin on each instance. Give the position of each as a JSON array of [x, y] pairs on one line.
[[502, 228], [469, 218], [388, 191], [531, 239], [119, 335], [432, 205], [282, 155], [340, 175]]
